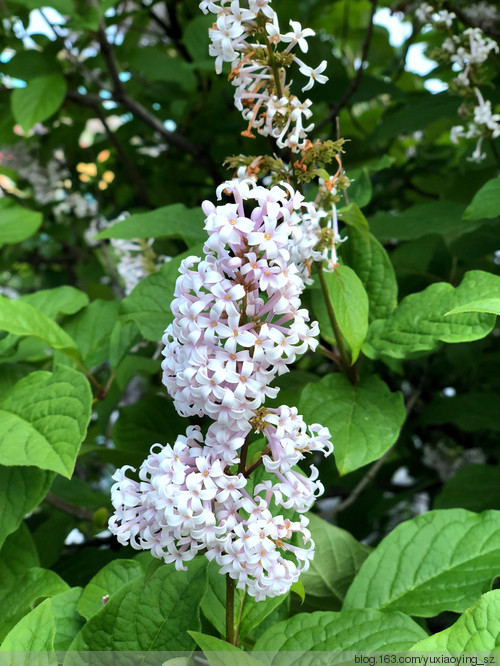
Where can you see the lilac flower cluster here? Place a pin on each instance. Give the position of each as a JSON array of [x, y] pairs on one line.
[[467, 51], [238, 324], [258, 69]]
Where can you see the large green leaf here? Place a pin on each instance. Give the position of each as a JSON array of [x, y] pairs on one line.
[[337, 559], [473, 412], [23, 594], [474, 487], [374, 268], [486, 202], [59, 301], [149, 614], [476, 630], [34, 633], [152, 420], [350, 304], [354, 218], [18, 554], [17, 223], [418, 323], [364, 420], [441, 560], [156, 65], [174, 221], [21, 490], [41, 98], [149, 303], [308, 633], [43, 420], [438, 217], [107, 581], [68, 621], [21, 318], [91, 329]]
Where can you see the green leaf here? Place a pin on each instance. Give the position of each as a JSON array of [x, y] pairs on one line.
[[195, 37], [149, 614], [491, 305], [474, 487], [21, 490], [374, 268], [353, 217], [415, 113], [441, 560], [91, 330], [67, 620], [149, 303], [22, 318], [486, 202], [59, 301], [418, 323], [17, 555], [478, 629], [43, 420], [107, 581], [212, 646], [156, 65], [26, 591], [364, 420], [350, 304], [62, 6], [124, 336], [437, 217], [348, 630], [337, 559], [360, 189], [149, 421], [17, 223], [41, 98], [34, 633], [298, 589], [174, 221], [473, 412]]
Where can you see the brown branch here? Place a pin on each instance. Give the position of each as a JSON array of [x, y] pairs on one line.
[[78, 512], [121, 96], [357, 77]]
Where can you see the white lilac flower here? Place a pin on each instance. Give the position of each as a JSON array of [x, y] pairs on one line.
[[262, 93], [237, 317], [186, 502]]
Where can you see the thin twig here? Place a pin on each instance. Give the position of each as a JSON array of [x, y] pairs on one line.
[[357, 77], [229, 609], [78, 512]]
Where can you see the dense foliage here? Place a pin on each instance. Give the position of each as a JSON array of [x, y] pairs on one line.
[[114, 128]]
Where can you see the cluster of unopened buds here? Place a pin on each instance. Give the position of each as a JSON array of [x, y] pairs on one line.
[[467, 51], [248, 37], [238, 324]]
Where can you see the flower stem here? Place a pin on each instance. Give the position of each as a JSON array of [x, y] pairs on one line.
[[235, 642], [347, 368], [229, 609], [243, 455]]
